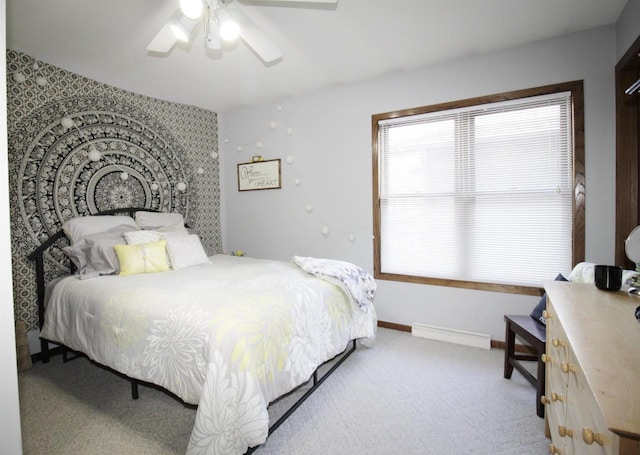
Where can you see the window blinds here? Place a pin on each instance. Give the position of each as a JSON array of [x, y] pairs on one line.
[[483, 193]]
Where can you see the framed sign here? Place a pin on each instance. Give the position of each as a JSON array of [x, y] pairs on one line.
[[259, 175]]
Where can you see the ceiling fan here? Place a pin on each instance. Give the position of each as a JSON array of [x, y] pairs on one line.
[[223, 21]]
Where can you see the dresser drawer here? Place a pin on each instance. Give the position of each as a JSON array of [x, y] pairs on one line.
[[557, 353], [592, 435], [555, 380]]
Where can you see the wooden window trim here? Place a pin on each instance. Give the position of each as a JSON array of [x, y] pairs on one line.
[[577, 95]]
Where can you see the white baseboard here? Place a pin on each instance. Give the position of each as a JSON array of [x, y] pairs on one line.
[[478, 340]]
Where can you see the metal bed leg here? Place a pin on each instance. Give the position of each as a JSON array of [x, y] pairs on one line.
[[44, 351], [65, 354], [134, 389]]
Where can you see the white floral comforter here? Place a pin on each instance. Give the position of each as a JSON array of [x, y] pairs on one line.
[[230, 336]]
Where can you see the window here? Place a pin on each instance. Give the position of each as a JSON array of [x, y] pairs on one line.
[[486, 193]]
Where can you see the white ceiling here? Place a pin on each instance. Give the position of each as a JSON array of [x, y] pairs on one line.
[[106, 40]]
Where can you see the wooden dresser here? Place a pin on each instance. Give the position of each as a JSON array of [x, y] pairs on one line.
[[592, 393]]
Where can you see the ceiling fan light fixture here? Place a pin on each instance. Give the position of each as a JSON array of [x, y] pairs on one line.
[[229, 29], [191, 8], [222, 20], [182, 28]]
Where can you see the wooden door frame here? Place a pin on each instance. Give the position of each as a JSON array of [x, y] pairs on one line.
[[627, 152]]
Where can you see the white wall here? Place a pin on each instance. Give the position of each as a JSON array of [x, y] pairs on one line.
[[10, 436], [628, 27], [331, 147]]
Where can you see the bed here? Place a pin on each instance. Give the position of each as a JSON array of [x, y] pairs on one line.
[[228, 334]]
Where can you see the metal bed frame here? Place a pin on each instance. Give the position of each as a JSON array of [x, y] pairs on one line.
[[38, 256]]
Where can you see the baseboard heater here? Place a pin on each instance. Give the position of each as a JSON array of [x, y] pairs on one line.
[[478, 340]]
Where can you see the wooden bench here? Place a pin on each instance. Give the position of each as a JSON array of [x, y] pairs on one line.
[[533, 333]]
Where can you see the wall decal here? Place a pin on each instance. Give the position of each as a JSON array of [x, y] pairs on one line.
[[57, 168], [77, 146], [326, 229]]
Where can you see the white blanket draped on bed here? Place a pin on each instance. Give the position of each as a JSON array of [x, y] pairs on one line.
[[357, 284], [230, 336]]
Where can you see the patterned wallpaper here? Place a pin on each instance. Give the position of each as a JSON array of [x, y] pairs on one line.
[[149, 150]]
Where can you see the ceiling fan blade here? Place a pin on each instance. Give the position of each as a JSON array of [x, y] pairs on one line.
[[298, 1], [165, 38], [254, 37]]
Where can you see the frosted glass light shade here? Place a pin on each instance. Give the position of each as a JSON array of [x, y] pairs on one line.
[[191, 8], [229, 29]]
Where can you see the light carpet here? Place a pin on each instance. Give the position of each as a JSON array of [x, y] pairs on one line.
[[405, 395]]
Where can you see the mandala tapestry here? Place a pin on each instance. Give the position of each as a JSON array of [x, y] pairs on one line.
[[77, 147]]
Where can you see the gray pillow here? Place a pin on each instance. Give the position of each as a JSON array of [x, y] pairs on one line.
[[78, 228], [94, 255]]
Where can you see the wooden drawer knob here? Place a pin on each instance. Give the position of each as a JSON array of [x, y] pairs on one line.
[[544, 400], [589, 437], [566, 368], [547, 314], [564, 431], [556, 342], [545, 358], [553, 450], [556, 397]]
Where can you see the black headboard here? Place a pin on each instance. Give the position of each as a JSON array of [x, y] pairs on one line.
[[38, 255]]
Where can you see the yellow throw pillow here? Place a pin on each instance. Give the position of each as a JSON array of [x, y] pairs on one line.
[[142, 257]]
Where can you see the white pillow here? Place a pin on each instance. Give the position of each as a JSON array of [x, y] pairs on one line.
[[176, 229], [185, 251], [155, 220], [145, 236], [78, 228], [142, 236]]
